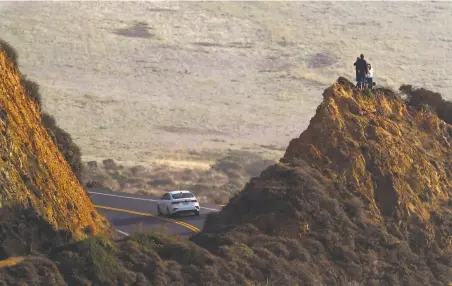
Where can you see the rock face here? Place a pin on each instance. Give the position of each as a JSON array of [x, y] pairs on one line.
[[33, 172], [397, 160], [362, 196]]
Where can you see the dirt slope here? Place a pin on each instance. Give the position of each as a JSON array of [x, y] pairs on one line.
[[33, 172]]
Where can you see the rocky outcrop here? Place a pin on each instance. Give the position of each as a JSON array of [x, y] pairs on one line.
[[396, 158], [363, 196]]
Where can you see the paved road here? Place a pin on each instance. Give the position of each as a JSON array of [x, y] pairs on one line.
[[131, 213]]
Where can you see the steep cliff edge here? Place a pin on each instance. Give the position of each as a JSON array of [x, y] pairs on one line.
[[33, 172]]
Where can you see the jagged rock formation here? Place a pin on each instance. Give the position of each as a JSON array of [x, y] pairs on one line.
[[362, 196], [33, 172], [398, 160]]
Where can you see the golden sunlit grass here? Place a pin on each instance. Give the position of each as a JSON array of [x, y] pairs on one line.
[[11, 261], [32, 164], [184, 164]]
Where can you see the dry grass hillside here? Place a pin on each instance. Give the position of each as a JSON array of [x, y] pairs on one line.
[[145, 81], [362, 197], [34, 174]]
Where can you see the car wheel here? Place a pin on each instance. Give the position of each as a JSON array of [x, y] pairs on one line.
[[196, 213], [158, 210]]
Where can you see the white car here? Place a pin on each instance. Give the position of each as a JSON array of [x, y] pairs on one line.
[[177, 202]]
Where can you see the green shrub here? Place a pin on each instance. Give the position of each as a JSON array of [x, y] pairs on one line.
[[92, 259], [148, 241]]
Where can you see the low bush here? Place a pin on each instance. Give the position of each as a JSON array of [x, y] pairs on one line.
[[34, 270], [95, 185], [9, 51], [109, 164], [93, 259], [31, 89], [66, 145], [424, 98]]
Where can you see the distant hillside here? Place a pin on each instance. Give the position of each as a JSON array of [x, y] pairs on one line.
[[208, 76]]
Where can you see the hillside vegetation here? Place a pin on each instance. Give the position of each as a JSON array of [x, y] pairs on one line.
[[227, 175], [33, 172], [362, 197]]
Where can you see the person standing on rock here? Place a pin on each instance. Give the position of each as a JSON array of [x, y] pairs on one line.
[[369, 76], [361, 69], [356, 71]]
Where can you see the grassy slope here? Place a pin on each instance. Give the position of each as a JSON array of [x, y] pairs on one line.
[[247, 61]]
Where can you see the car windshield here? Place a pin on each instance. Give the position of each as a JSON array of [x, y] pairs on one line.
[[182, 195]]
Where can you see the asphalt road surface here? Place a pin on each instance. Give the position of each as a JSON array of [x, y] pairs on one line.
[[133, 213]]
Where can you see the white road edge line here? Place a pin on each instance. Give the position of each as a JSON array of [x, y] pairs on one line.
[[124, 197], [122, 232], [140, 199]]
